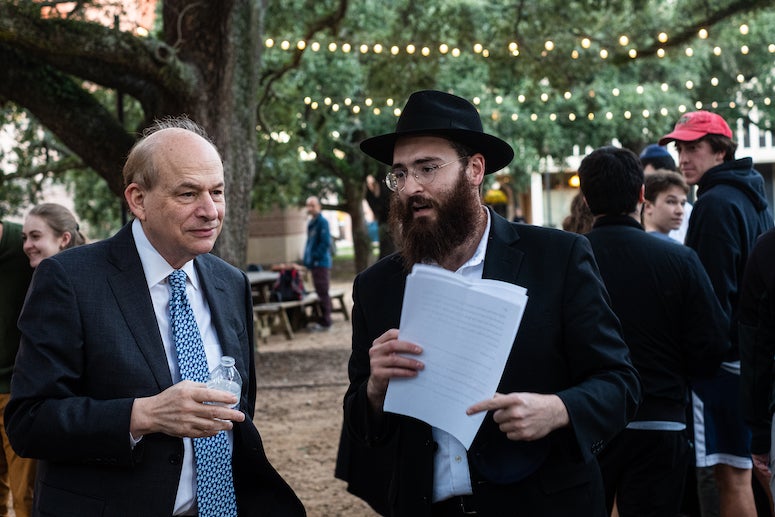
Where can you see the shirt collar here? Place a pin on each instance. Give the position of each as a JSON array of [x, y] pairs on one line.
[[616, 220], [157, 269], [481, 250]]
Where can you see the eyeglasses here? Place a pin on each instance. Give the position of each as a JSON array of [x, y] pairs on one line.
[[424, 174]]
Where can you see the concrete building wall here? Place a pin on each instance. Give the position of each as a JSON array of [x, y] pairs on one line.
[[277, 236]]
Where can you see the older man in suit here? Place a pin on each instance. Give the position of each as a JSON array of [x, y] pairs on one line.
[[568, 386], [101, 393]]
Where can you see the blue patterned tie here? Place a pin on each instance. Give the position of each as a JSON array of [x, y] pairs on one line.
[[214, 484]]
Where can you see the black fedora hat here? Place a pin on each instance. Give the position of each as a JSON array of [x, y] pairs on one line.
[[435, 113]]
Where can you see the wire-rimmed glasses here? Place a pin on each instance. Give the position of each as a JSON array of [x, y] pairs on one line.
[[423, 174]]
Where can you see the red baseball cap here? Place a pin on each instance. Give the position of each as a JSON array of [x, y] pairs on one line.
[[695, 125]]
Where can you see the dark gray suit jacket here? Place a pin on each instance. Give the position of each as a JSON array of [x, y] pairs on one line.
[[569, 343], [90, 346]]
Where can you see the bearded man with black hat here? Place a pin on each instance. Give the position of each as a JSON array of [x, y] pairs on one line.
[[568, 386]]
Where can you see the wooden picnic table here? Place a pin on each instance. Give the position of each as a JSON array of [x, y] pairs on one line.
[[261, 283], [289, 315]]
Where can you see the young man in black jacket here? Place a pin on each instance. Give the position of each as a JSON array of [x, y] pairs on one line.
[[672, 323]]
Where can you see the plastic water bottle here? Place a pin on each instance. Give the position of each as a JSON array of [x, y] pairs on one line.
[[225, 377]]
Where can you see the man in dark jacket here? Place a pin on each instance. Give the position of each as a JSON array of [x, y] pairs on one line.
[[672, 323], [107, 390], [730, 213], [757, 349], [17, 474], [568, 385]]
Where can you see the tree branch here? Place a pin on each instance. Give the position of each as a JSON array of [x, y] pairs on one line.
[[689, 32], [330, 21], [146, 69], [60, 166], [68, 111]]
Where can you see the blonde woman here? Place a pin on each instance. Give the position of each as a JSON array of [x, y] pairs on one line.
[[48, 229]]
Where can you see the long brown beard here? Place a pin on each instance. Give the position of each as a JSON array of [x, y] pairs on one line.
[[423, 240]]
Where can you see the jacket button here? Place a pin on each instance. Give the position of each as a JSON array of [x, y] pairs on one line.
[[174, 459]]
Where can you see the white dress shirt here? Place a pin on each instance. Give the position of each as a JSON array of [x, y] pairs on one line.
[[451, 474], [156, 271]]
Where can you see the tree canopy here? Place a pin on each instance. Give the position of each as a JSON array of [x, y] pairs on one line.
[[288, 89]]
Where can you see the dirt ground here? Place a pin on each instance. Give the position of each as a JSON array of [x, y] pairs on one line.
[[301, 383]]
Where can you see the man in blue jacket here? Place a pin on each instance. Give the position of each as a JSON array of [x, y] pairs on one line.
[[317, 258], [730, 213]]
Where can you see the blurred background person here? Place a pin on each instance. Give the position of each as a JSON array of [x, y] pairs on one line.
[[48, 229], [317, 258], [580, 218], [16, 474], [664, 203], [655, 157], [757, 348]]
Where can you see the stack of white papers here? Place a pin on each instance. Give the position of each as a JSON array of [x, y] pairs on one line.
[[466, 328]]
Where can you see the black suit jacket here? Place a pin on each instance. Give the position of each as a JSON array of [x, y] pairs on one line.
[[569, 343], [90, 346], [672, 321]]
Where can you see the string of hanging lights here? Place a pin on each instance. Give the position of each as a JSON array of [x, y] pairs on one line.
[[387, 107], [585, 48], [584, 45]]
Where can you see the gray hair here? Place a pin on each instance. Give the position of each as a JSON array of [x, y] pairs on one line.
[[139, 167]]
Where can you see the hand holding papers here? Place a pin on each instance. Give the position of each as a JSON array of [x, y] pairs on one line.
[[466, 328]]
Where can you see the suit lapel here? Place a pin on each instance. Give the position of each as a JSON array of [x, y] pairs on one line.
[[134, 300], [503, 260], [214, 286]]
